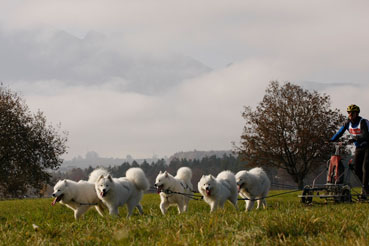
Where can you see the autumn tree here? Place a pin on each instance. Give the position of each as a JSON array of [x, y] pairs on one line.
[[28, 146], [289, 129]]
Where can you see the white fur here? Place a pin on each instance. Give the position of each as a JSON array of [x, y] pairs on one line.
[[217, 191], [253, 184], [180, 183], [77, 195], [115, 192]]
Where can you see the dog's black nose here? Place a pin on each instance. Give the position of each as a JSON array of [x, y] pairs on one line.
[[54, 195], [155, 185]]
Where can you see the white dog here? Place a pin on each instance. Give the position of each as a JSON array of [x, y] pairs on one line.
[[79, 196], [115, 192], [253, 184], [181, 183], [217, 191]]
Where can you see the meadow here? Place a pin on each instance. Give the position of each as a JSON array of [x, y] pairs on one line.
[[285, 222]]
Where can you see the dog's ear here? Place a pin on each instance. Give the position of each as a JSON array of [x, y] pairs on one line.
[[65, 182], [166, 174], [110, 178], [160, 172], [101, 176], [212, 177]]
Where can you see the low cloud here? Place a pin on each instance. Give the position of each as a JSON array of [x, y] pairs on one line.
[[202, 113]]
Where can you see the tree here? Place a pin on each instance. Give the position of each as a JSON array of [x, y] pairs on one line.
[[28, 146], [289, 130]]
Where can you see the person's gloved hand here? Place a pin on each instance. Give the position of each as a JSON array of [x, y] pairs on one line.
[[351, 140]]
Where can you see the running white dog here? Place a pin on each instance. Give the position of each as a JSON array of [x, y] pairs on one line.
[[181, 183], [115, 192], [253, 184], [79, 196], [217, 191]]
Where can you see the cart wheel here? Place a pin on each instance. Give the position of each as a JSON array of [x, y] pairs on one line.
[[346, 196], [305, 192]]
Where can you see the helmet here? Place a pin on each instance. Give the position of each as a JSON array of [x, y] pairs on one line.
[[353, 108]]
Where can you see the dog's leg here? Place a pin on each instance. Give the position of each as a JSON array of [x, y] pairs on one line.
[[113, 210], [100, 209], [181, 206], [181, 203], [185, 205], [213, 206], [258, 204], [80, 211], [130, 208], [234, 202], [140, 210], [264, 203], [163, 207], [250, 204]]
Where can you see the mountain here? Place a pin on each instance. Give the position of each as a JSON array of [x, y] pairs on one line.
[[93, 159]]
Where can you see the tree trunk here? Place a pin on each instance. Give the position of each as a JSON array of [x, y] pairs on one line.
[[300, 183]]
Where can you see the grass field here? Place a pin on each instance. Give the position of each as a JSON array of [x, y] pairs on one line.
[[285, 222]]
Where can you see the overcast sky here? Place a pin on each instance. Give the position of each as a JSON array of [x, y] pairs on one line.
[[156, 77]]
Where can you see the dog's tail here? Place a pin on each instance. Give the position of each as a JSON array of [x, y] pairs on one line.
[[258, 171], [95, 174], [228, 177], [138, 177], [184, 173]]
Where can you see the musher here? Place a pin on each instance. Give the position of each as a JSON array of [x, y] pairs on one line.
[[358, 129]]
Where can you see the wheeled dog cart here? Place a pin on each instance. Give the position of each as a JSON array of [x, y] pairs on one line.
[[337, 188]]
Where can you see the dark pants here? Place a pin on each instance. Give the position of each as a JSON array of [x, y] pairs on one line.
[[361, 162]]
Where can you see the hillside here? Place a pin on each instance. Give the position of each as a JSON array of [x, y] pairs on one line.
[[93, 159]]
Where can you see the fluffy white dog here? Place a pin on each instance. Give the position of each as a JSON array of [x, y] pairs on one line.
[[217, 191], [79, 196], [181, 183], [253, 184], [115, 192]]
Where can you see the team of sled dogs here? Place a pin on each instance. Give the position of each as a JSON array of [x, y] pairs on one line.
[[102, 190]]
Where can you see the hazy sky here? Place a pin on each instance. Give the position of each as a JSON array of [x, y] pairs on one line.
[[158, 77]]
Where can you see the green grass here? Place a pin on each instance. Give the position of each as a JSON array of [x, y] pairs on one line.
[[285, 222]]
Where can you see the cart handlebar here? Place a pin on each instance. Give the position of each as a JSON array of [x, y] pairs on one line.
[[342, 144]]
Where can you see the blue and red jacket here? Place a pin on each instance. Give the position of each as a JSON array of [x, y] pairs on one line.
[[358, 130]]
